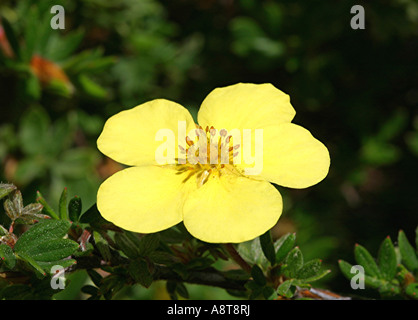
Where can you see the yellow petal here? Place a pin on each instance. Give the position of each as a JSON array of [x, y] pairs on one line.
[[129, 137], [245, 106], [232, 208], [142, 199], [292, 157]]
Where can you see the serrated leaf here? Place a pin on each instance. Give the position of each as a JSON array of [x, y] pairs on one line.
[[283, 246], [285, 289], [294, 261], [386, 259], [7, 256], [309, 269], [409, 258], [62, 205], [258, 276], [267, 246], [51, 250], [365, 259], [42, 231], [74, 208]]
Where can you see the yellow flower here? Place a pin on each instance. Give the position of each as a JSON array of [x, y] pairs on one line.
[[218, 202]]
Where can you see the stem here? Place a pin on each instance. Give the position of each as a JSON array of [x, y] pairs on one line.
[[236, 257]]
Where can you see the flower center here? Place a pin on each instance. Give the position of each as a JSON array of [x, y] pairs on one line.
[[207, 153]]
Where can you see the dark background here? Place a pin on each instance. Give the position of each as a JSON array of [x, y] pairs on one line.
[[355, 90]]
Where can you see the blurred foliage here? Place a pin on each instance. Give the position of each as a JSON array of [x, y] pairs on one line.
[[355, 89]]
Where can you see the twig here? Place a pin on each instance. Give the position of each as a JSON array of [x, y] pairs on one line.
[[236, 257]]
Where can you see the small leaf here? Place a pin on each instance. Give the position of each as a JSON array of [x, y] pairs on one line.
[[32, 263], [409, 257], [286, 290], [139, 271], [386, 259], [6, 189], [365, 259], [283, 246], [102, 246], [74, 208], [148, 243], [7, 256], [126, 245], [266, 242], [258, 275], [62, 206], [47, 208], [294, 261], [47, 265], [309, 269]]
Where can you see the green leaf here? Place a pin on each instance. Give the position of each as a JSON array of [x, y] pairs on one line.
[[412, 290], [62, 206], [6, 189], [369, 281], [309, 269], [51, 250], [283, 246], [416, 241], [148, 243], [91, 88], [47, 208], [409, 257], [74, 209], [386, 259], [42, 231], [365, 259], [7, 256], [32, 263], [139, 271], [258, 275], [102, 246], [267, 246], [345, 268], [47, 265], [294, 261], [33, 131], [126, 245], [286, 289]]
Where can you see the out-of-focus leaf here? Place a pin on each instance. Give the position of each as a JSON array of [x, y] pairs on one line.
[[91, 88], [62, 206], [11, 37], [6, 189], [7, 256], [412, 290], [126, 245], [46, 207], [140, 272], [34, 127], [408, 254]]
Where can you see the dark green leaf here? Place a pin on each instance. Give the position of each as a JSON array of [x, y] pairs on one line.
[[11, 37], [102, 246], [74, 208], [148, 244], [258, 275], [294, 261], [32, 263], [409, 258], [7, 256], [386, 259], [139, 271], [42, 231], [64, 263], [51, 250], [283, 246], [126, 245], [266, 242], [269, 293], [365, 259]]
